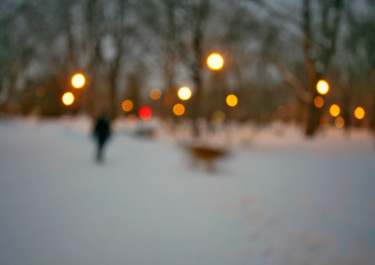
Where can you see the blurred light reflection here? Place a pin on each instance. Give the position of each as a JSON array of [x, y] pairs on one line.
[[127, 105], [155, 94], [78, 80], [145, 113], [184, 93], [215, 61], [178, 109], [318, 102], [232, 100], [334, 110], [359, 113], [322, 87], [339, 122], [68, 98]]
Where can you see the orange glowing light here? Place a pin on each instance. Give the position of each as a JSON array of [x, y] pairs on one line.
[[178, 109], [334, 110], [359, 113], [318, 102], [231, 100], [339, 122], [145, 113], [184, 93], [322, 87], [127, 105], [155, 94], [215, 61], [78, 80], [68, 98]]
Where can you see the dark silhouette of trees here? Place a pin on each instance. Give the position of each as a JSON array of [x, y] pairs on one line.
[[274, 54]]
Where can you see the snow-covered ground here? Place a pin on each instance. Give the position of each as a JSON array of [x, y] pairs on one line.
[[277, 199]]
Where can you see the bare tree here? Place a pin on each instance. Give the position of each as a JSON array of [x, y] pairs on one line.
[[319, 24]]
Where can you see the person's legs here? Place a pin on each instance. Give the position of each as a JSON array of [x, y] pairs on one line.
[[99, 154]]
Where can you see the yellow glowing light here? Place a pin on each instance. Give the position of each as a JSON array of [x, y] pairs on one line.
[[78, 80], [339, 122], [127, 105], [322, 87], [318, 102], [359, 113], [215, 61], [155, 94], [184, 93], [232, 100], [178, 109], [334, 110], [68, 98]]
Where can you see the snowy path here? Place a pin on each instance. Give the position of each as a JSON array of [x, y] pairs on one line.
[[282, 200]]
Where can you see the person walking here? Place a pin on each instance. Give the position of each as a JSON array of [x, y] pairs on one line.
[[102, 133]]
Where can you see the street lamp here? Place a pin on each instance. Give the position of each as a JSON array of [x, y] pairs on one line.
[[184, 93], [68, 98], [334, 110], [215, 61], [178, 109], [322, 87], [78, 80], [127, 105], [232, 100], [359, 113], [318, 102]]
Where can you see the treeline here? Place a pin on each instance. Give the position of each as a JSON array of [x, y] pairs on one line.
[[274, 54]]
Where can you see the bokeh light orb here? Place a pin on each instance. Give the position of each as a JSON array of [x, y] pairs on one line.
[[359, 113], [145, 113], [178, 109], [322, 87], [318, 102], [155, 94], [127, 105], [78, 80], [334, 110], [231, 100], [339, 122], [184, 93], [215, 61], [68, 98]]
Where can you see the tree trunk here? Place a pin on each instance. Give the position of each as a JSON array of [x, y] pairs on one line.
[[196, 101], [313, 118], [112, 94]]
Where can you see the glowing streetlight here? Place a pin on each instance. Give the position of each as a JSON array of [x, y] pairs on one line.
[[215, 61], [127, 105], [78, 80], [68, 98], [231, 100], [339, 122], [334, 110], [322, 87], [359, 113], [178, 109], [184, 93], [145, 113], [318, 102]]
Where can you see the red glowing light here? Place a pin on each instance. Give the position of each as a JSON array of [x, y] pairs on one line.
[[145, 113]]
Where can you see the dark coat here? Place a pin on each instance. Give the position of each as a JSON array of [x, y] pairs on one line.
[[102, 130]]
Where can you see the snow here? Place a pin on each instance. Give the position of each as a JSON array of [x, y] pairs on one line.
[[278, 198]]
